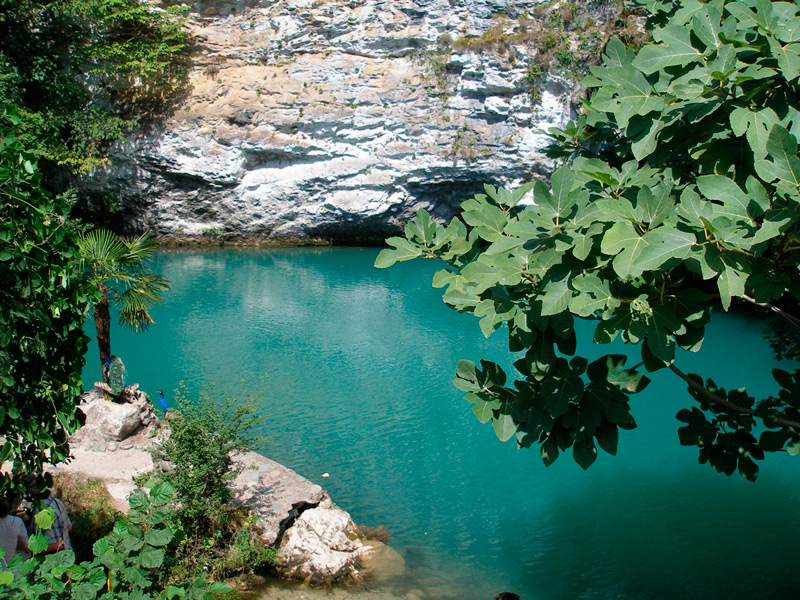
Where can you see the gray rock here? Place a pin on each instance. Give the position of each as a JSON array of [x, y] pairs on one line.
[[321, 547], [275, 494], [107, 421]]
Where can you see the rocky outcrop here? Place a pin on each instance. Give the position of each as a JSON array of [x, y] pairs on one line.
[[275, 494], [318, 542], [325, 546], [334, 120], [107, 421], [321, 546]]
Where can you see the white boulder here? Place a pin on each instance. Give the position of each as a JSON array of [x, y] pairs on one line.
[[322, 546], [109, 421]]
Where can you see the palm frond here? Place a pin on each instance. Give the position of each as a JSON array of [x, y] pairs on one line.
[[100, 251], [139, 250], [135, 302]]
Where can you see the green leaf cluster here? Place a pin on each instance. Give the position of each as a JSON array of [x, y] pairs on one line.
[[679, 193], [127, 563], [117, 269], [82, 71], [197, 459], [43, 302]]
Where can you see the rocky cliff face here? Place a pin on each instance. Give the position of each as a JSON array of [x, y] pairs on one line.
[[335, 120]]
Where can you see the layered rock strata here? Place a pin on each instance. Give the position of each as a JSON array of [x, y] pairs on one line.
[[333, 120]]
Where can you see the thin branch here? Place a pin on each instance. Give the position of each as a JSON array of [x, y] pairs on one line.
[[790, 318], [742, 410]]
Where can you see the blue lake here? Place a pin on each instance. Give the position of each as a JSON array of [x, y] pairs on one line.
[[356, 365]]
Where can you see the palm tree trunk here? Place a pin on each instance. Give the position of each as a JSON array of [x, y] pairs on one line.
[[102, 324]]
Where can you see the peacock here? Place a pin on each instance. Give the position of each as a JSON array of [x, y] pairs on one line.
[[116, 374], [163, 401]]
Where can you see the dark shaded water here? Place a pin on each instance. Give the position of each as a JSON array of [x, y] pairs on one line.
[[357, 364]]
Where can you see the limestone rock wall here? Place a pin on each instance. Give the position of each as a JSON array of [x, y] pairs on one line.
[[333, 120]]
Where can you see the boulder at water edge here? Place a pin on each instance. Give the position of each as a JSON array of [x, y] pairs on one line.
[[108, 421], [274, 494], [322, 546]]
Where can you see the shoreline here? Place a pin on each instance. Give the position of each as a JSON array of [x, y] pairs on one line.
[[316, 540]]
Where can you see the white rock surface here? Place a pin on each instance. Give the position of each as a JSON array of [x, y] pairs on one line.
[[322, 546], [331, 120], [109, 421], [275, 494]]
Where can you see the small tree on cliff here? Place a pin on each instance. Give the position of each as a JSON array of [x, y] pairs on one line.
[[117, 268], [680, 194]]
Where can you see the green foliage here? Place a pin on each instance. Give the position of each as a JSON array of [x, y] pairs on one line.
[[117, 269], [198, 460], [198, 457], [127, 562], [81, 71], [90, 509], [237, 548], [42, 307], [680, 194], [559, 37]]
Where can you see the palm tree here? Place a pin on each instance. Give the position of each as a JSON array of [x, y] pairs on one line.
[[116, 267]]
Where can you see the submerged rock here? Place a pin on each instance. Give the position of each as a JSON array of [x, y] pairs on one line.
[[333, 120]]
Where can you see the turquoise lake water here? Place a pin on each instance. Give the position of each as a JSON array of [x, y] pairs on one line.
[[356, 364]]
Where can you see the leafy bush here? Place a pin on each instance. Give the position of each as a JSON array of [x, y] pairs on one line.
[[127, 562], [81, 71], [679, 195], [43, 304], [246, 552], [198, 460]]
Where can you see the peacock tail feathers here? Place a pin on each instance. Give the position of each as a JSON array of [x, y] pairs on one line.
[[116, 375]]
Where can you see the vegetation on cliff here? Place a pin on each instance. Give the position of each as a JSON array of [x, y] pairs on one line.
[[679, 195], [79, 72]]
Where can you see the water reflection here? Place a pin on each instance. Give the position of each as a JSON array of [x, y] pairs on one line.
[[359, 363]]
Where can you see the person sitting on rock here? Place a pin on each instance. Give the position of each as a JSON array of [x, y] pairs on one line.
[[58, 534], [13, 535]]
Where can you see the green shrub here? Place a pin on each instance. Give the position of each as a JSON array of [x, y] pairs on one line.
[[44, 303], [127, 562], [247, 552], [197, 458]]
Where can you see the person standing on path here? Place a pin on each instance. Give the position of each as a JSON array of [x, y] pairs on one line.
[[58, 534]]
